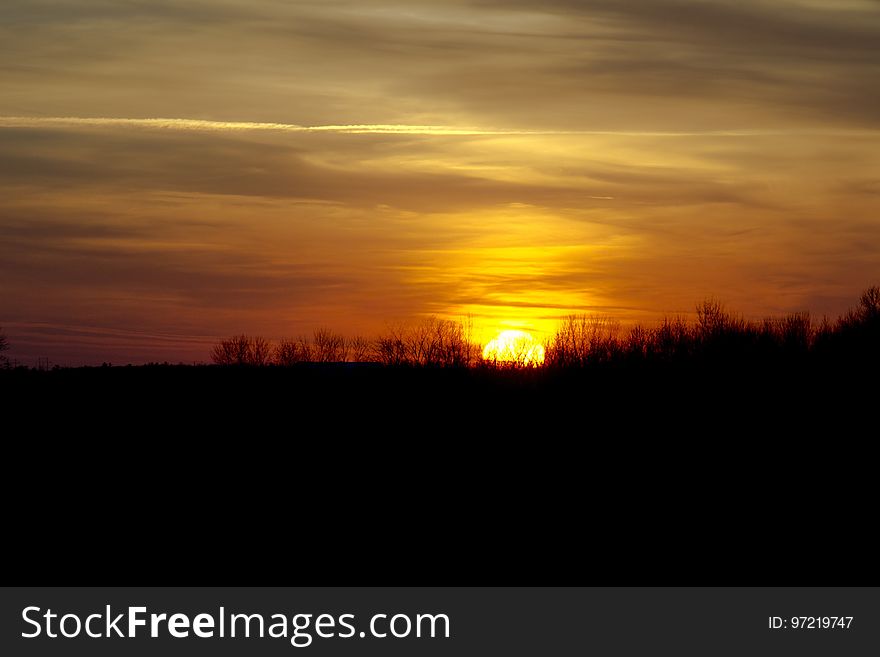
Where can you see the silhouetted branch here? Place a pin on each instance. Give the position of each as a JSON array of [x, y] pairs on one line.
[[4, 346], [242, 350]]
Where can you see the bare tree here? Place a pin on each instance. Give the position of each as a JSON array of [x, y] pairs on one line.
[[450, 343], [869, 304], [391, 348], [673, 339], [291, 351], [583, 339], [4, 346], [714, 321], [433, 342], [242, 350], [359, 349], [858, 328], [260, 351], [794, 331], [232, 351], [329, 347], [638, 341]]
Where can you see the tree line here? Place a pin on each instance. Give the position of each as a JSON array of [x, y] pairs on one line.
[[713, 333], [433, 342], [4, 346]]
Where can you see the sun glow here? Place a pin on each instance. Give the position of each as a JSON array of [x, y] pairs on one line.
[[514, 348]]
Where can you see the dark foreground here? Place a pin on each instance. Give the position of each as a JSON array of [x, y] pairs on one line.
[[272, 475], [787, 400]]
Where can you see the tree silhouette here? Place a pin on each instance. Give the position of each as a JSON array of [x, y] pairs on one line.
[[325, 346], [432, 343], [869, 305], [583, 339], [4, 346], [261, 351], [712, 337], [242, 350], [328, 347], [359, 349], [858, 332], [291, 351]]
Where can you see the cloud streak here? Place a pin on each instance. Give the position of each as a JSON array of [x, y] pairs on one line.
[[244, 126], [201, 125]]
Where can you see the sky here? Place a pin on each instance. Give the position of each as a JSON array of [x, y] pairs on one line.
[[176, 171]]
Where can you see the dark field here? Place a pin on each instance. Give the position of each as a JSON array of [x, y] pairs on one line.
[[644, 470], [311, 400]]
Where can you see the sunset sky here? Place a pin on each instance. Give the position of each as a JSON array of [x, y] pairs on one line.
[[172, 171]]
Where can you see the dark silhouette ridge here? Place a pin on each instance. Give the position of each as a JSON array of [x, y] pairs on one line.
[[672, 456], [719, 375]]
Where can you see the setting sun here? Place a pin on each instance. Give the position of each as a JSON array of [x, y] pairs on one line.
[[515, 348]]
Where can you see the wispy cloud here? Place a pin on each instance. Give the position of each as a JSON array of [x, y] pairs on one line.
[[234, 126], [384, 129], [556, 65]]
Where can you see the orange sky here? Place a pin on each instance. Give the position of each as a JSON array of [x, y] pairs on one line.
[[358, 164]]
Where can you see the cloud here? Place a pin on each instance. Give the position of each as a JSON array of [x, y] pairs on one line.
[[201, 125], [561, 65], [247, 126], [364, 170]]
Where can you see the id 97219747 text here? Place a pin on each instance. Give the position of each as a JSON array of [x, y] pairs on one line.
[[809, 622]]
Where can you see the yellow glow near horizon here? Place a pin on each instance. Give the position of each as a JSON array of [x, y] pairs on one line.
[[515, 348]]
